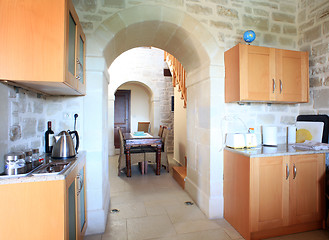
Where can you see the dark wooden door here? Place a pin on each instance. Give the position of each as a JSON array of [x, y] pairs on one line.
[[121, 114]]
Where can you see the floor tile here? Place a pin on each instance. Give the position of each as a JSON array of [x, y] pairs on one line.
[[116, 230], [203, 235], [128, 210], [195, 226], [150, 227], [182, 213], [93, 237]]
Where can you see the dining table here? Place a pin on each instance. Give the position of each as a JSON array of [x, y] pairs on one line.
[[137, 140]]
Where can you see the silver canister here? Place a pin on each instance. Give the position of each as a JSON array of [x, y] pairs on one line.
[[15, 163], [28, 160]]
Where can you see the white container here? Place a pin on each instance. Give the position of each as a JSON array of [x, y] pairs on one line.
[[291, 134], [270, 135]]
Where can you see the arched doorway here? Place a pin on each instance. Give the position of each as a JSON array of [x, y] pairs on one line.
[[189, 41]]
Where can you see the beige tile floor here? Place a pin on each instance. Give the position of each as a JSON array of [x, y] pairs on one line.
[[152, 207]]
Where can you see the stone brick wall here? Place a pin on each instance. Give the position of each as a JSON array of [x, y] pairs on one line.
[[275, 24], [313, 36], [29, 113]]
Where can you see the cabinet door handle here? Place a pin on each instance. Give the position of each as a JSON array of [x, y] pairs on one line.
[[287, 172], [273, 85], [295, 171], [281, 86]]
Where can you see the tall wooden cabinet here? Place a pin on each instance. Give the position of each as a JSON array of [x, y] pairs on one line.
[[271, 196], [261, 74], [42, 46]]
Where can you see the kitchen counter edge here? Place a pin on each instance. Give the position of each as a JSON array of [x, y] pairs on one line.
[[80, 159], [280, 150]]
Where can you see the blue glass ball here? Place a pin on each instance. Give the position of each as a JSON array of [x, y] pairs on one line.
[[249, 36]]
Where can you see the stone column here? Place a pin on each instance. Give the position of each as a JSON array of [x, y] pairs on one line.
[[111, 100]]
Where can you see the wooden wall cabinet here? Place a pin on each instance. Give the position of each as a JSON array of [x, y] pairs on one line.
[[261, 74], [271, 196], [42, 46]]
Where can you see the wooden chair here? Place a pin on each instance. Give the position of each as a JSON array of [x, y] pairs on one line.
[[143, 126], [150, 153], [136, 156]]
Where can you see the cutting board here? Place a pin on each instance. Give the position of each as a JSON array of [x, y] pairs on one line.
[[311, 131], [317, 118]]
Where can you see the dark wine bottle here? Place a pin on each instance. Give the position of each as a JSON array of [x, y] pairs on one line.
[[49, 138]]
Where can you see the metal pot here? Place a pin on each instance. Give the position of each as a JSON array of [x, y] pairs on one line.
[[28, 160], [15, 163]]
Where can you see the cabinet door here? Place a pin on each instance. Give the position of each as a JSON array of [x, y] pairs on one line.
[[269, 193], [291, 76], [72, 211], [257, 73], [307, 188], [82, 218], [80, 61]]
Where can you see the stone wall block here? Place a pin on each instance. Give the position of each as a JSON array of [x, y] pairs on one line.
[[15, 133], [276, 28], [282, 17], [312, 34], [227, 12], [261, 12], [320, 49], [315, 82], [301, 16], [114, 3], [270, 39], [304, 26], [265, 4], [41, 126], [85, 5], [261, 24], [326, 28], [288, 120], [326, 81], [286, 42], [29, 127], [321, 99], [221, 25], [289, 8], [290, 30], [37, 107], [198, 9]]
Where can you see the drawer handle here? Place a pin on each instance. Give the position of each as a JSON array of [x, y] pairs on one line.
[[295, 171], [281, 86], [273, 85], [287, 172]]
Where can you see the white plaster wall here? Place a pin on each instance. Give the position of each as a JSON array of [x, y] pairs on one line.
[[140, 104], [180, 133]]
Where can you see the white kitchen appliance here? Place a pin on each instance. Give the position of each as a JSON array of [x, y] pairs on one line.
[[270, 135], [241, 140]]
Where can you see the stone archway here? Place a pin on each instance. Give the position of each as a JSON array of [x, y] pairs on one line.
[[189, 41]]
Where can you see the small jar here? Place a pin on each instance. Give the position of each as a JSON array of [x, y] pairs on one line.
[[28, 160], [35, 158]]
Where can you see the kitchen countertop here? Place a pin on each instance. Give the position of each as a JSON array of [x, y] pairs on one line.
[[280, 150], [80, 157]]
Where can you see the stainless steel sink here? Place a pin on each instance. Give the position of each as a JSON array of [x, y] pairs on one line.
[[57, 167]]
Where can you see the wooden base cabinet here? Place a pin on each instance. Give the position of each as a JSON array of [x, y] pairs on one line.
[[271, 196], [42, 46], [38, 210], [261, 74]]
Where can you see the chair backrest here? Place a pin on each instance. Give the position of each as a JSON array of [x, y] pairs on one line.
[[143, 126], [164, 138], [160, 131], [121, 141]]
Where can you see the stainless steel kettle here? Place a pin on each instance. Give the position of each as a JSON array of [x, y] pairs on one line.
[[64, 147]]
